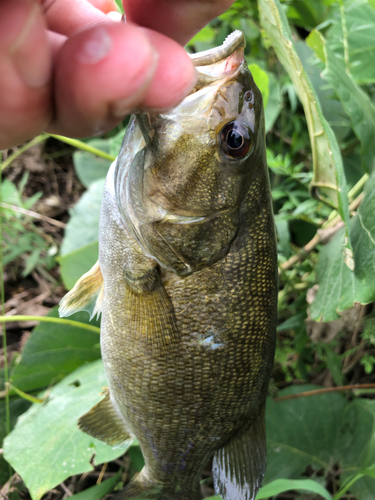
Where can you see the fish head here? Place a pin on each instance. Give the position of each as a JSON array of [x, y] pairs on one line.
[[182, 194]]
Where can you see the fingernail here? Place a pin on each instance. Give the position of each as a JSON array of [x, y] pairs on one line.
[[115, 16], [30, 51], [126, 106], [95, 47]]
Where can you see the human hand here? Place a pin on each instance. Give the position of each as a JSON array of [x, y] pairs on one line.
[[66, 67]]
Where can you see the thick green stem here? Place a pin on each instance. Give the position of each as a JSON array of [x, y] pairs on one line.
[[48, 319], [84, 147], [6, 372]]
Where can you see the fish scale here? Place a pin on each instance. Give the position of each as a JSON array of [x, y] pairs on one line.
[[188, 271]]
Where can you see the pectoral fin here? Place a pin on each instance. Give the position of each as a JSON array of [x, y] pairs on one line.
[[86, 295], [239, 466], [104, 422], [149, 310]]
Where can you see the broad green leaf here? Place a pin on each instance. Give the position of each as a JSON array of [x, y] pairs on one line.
[[75, 264], [308, 14], [327, 162], [358, 454], [16, 407], [83, 226], [301, 432], [339, 288], [356, 103], [282, 485], [273, 108], [99, 490], [262, 81], [91, 168], [353, 26], [46, 446], [53, 351], [79, 250], [321, 430], [332, 108]]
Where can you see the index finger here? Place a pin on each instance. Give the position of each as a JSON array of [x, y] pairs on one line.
[[70, 16]]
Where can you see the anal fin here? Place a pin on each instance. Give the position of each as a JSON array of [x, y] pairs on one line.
[[104, 422], [86, 295], [239, 466]]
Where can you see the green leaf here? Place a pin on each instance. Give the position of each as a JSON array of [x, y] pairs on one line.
[[339, 288], [99, 490], [282, 485], [52, 352], [46, 446], [302, 432], [16, 407], [354, 26], [274, 104], [321, 431], [91, 168], [79, 250], [83, 226], [75, 264], [332, 108], [327, 162], [261, 80], [358, 455], [355, 102]]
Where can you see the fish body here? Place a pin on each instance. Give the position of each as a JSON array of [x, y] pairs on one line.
[[187, 255]]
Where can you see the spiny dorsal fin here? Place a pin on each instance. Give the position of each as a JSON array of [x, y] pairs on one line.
[[86, 295], [104, 422], [239, 466]]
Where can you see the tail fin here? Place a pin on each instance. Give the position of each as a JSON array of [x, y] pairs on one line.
[[86, 295], [140, 488]]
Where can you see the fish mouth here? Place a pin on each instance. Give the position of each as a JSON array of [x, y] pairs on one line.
[[182, 219]]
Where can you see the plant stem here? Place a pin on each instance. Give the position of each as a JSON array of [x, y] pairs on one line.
[[345, 488], [30, 144], [35, 215], [325, 391], [84, 147], [345, 36], [6, 372], [48, 319], [22, 394]]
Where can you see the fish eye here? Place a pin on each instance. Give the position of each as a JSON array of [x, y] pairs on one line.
[[236, 139]]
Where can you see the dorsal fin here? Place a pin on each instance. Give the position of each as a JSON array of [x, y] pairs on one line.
[[86, 295]]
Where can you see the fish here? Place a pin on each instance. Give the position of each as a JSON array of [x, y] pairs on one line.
[[186, 283]]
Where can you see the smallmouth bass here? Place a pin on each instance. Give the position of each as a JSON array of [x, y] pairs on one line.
[[187, 285]]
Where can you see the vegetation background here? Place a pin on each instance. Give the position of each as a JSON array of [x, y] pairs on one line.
[[314, 63]]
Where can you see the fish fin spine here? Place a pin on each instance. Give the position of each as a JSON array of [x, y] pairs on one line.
[[150, 312], [86, 295], [239, 466], [104, 422]]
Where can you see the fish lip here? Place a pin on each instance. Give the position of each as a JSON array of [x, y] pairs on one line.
[[191, 219]]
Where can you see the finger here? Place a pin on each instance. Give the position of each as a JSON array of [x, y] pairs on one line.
[[104, 73], [70, 16], [174, 77], [180, 20], [25, 69]]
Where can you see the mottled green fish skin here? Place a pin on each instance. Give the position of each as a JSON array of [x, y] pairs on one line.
[[189, 303]]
